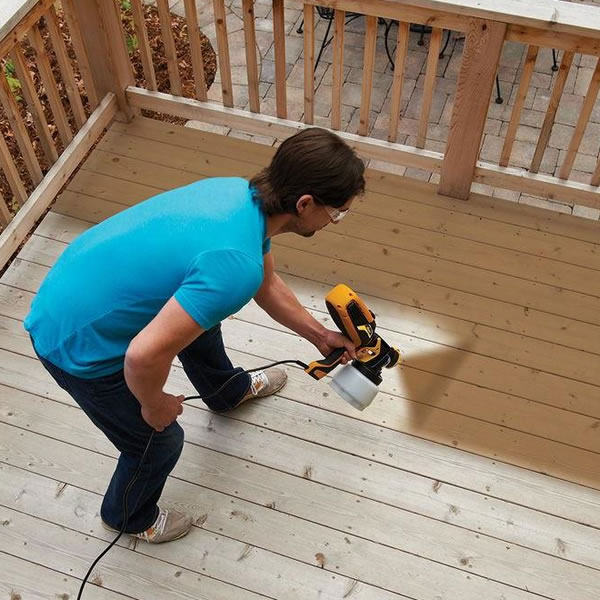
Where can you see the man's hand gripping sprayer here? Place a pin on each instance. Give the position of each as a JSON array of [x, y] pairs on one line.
[[356, 382]]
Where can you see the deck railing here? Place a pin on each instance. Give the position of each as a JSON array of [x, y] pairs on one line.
[[104, 64], [50, 141]]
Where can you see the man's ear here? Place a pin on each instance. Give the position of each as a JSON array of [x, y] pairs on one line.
[[303, 203]]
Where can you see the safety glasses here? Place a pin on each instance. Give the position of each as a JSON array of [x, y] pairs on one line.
[[335, 215]]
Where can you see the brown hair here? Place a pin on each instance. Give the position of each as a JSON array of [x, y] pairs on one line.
[[314, 161]]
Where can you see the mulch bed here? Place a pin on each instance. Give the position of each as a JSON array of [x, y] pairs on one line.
[[180, 35]]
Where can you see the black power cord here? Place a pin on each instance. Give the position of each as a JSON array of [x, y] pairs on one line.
[[144, 454]]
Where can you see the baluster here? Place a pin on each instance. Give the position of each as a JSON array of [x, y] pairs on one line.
[[515, 117], [557, 91], [251, 59], [143, 44], [338, 69], [309, 64], [400, 60], [367, 79], [34, 104], [584, 117], [435, 45]]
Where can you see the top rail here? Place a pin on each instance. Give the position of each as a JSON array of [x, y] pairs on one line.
[[16, 19], [549, 15], [11, 12], [542, 15]]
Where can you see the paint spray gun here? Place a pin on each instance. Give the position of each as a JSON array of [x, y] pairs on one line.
[[357, 381]]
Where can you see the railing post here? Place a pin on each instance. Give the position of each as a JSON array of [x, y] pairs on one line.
[[110, 67], [483, 46]]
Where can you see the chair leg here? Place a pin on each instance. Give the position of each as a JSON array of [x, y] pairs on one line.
[[555, 65], [386, 36], [300, 29], [446, 44], [499, 98], [324, 43]]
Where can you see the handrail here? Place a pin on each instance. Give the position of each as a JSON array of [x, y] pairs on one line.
[[11, 13], [565, 27], [19, 23], [548, 15], [50, 129]]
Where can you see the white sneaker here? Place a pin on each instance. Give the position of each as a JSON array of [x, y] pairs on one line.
[[265, 383], [169, 526]]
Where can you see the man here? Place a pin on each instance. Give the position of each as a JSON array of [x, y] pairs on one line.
[[154, 282]]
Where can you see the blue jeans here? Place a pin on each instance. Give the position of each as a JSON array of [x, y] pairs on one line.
[[112, 407]]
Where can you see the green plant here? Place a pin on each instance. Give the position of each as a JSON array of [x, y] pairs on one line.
[[132, 43], [127, 20], [13, 83]]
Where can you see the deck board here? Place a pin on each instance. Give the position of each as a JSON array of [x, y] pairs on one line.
[[475, 473]]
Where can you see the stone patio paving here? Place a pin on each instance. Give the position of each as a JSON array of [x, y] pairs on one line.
[[498, 117]]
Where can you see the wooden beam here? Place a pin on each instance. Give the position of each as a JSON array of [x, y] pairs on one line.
[[280, 128], [251, 58], [515, 117], [82, 19], [557, 90], [11, 173], [43, 63], [401, 52], [483, 46], [141, 33], [367, 74], [584, 117], [542, 19], [531, 32], [166, 28], [114, 40], [19, 130], [60, 172], [397, 10], [5, 214], [435, 43], [223, 52], [551, 15], [550, 39], [34, 104], [280, 70], [13, 33], [338, 69], [196, 48], [596, 176], [309, 64], [519, 180], [99, 42], [66, 69]]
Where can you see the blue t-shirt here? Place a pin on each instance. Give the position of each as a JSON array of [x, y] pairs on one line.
[[203, 244]]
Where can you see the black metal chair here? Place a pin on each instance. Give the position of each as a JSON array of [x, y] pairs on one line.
[[423, 29], [328, 14]]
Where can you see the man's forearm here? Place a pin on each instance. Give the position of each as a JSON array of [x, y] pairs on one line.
[[281, 304], [146, 379]]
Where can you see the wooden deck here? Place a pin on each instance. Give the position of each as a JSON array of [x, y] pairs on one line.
[[475, 474]]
